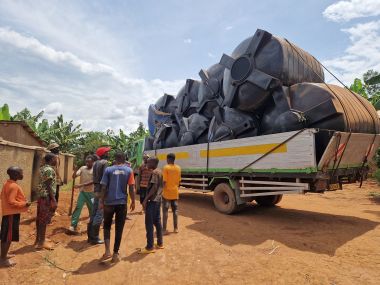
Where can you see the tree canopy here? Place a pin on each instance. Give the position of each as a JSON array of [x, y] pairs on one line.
[[70, 136]]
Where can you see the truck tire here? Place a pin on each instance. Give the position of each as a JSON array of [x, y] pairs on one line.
[[224, 199], [268, 201]]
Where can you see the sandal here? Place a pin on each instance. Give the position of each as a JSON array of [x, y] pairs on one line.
[[105, 257], [158, 246], [146, 251]]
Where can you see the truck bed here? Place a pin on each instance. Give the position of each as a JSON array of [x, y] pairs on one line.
[[282, 153]]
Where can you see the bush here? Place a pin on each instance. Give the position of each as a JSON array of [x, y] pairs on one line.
[[376, 175]]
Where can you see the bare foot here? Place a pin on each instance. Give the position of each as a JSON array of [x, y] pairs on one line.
[[105, 257], [115, 258], [46, 245]]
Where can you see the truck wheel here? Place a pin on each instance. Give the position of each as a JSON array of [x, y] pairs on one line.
[[224, 199], [268, 201]]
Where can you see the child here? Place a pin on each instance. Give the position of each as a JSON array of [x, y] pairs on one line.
[[86, 194], [13, 202], [172, 178], [151, 206]]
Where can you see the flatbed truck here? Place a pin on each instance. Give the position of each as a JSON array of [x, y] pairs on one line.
[[264, 168]]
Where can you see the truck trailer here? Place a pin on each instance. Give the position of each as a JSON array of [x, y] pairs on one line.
[[264, 168]]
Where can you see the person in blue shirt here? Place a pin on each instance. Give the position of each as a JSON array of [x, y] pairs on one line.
[[116, 179]]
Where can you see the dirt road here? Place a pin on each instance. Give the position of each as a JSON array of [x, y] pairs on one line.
[[332, 238]]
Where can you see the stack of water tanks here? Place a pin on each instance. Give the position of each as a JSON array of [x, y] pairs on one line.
[[268, 85]]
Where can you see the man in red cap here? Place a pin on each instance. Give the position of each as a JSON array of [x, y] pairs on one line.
[[96, 218]]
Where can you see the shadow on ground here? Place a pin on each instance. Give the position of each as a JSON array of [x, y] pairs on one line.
[[298, 229], [93, 267]]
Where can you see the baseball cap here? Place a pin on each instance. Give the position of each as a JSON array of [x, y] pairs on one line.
[[102, 150]]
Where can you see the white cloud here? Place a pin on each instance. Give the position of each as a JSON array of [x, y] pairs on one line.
[[210, 54], [347, 10], [362, 54], [45, 52], [54, 108], [187, 41], [90, 92], [228, 28]]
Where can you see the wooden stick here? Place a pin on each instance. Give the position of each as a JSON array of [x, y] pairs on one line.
[[72, 198]]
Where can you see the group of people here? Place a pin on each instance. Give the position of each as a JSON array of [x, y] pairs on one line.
[[105, 188]]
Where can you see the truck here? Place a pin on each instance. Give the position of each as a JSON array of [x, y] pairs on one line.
[[264, 168]]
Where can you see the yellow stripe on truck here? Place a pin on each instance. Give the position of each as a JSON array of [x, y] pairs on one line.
[[244, 150], [178, 155]]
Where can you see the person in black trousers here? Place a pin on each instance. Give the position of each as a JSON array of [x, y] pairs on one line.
[[151, 206], [116, 179]]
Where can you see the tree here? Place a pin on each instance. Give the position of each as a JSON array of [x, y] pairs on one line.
[[26, 116], [371, 84], [66, 134], [359, 88], [4, 113], [369, 88]]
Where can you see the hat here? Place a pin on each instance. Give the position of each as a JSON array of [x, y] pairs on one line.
[[102, 150], [52, 146]]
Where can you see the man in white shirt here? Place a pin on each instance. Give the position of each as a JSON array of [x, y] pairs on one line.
[[86, 194]]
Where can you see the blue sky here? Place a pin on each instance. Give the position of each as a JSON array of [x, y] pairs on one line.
[[101, 63]]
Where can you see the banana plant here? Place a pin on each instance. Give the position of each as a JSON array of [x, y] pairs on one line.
[[4, 113]]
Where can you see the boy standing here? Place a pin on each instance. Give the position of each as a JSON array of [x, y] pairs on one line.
[[96, 217], [13, 202], [152, 208], [143, 178], [86, 194], [172, 179], [46, 203], [115, 181]]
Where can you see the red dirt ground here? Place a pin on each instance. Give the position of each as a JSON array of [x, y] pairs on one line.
[[330, 238]]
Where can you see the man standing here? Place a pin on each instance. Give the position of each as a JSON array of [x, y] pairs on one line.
[[46, 203], [13, 202], [54, 148], [96, 218], [143, 178], [152, 207], [172, 178], [115, 181], [86, 194]]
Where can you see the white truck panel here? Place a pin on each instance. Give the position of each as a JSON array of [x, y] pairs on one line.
[[298, 154]]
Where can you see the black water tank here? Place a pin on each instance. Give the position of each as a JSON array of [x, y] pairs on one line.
[[262, 63], [187, 98], [228, 124], [324, 106], [210, 94], [194, 130]]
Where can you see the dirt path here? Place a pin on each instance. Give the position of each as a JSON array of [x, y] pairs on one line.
[[332, 238]]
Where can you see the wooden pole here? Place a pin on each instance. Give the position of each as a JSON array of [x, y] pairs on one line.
[[72, 198]]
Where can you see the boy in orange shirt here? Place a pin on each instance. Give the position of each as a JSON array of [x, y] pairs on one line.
[[172, 178], [13, 202]]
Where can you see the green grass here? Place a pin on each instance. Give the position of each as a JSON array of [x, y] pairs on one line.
[[374, 195]]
